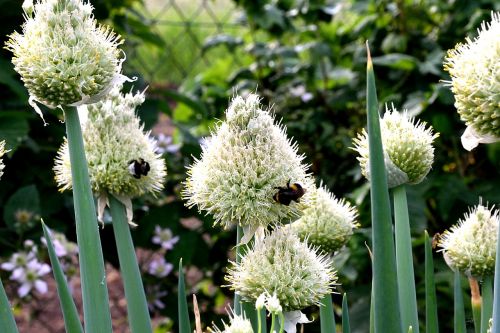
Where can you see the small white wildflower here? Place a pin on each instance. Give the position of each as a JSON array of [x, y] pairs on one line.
[[165, 238], [327, 222], [475, 82], [261, 301], [159, 267], [62, 247], [246, 159], [408, 150], [63, 56], [30, 277], [283, 266], [470, 246], [273, 304], [121, 157], [2, 152], [164, 144]]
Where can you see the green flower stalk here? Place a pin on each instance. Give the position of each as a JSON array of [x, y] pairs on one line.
[[470, 246], [117, 152], [241, 166], [282, 265], [237, 324], [475, 82], [407, 145], [2, 152], [327, 222], [63, 56]]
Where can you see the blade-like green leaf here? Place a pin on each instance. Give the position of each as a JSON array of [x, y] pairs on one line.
[[346, 325], [97, 317], [487, 303], [496, 290], [137, 305], [184, 322], [326, 315], [404, 261], [386, 303], [70, 313], [459, 312], [431, 318], [7, 321]]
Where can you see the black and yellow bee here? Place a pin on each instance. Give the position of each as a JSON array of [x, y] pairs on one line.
[[138, 168], [285, 195]]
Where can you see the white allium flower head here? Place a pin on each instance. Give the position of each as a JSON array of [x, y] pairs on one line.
[[114, 139], [327, 222], [408, 151], [63, 56], [475, 82], [470, 245], [2, 152], [284, 266], [237, 324], [247, 157]]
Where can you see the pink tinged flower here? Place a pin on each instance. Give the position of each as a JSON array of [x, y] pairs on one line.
[[164, 144], [160, 267], [17, 260], [165, 238]]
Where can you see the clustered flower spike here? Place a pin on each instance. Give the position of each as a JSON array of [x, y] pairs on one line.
[[114, 144], [282, 265], [63, 56], [327, 222], [246, 159], [475, 82], [237, 324], [2, 152], [470, 246], [408, 150]]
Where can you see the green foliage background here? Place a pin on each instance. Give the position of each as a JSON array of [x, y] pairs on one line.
[[307, 59]]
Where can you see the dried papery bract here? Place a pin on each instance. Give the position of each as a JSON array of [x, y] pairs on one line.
[[114, 139], [475, 82], [241, 166], [281, 265], [63, 56], [407, 145], [470, 245], [327, 222]]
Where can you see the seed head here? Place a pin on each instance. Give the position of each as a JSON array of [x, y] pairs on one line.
[[63, 56], [408, 151], [247, 157], [114, 139], [237, 324], [282, 265], [327, 222], [475, 82], [470, 246]]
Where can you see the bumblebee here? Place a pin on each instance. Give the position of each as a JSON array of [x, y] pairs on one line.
[[285, 195], [138, 168]]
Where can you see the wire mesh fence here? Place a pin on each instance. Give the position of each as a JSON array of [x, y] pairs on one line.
[[173, 35]]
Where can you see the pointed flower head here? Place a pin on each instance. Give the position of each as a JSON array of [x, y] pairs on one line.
[[475, 82], [470, 246], [282, 265], [2, 152], [237, 324], [408, 150], [63, 56], [327, 222], [241, 166], [121, 157]]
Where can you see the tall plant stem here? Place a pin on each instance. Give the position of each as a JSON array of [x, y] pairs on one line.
[[431, 318], [459, 312], [487, 303], [96, 312], [475, 302], [496, 290], [137, 306], [7, 321], [386, 302], [404, 261]]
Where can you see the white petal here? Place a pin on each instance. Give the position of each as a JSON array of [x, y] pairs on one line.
[[41, 286], [24, 289], [293, 318], [8, 266], [471, 139]]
